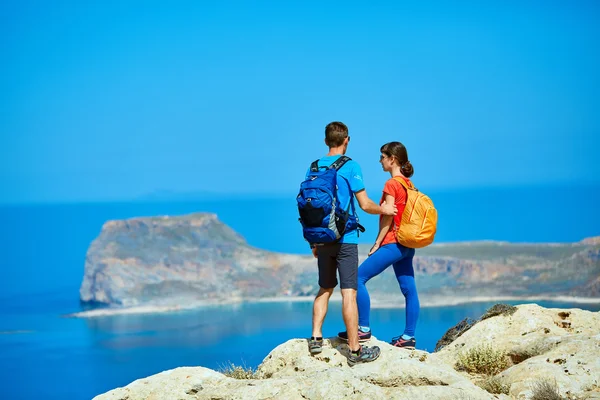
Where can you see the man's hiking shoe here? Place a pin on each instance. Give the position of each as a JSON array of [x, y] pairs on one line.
[[364, 355], [315, 345], [403, 343], [362, 336]]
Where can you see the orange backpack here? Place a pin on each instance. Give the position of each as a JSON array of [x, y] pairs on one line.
[[419, 219]]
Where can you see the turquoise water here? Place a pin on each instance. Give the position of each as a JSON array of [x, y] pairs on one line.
[[44, 355], [65, 358]]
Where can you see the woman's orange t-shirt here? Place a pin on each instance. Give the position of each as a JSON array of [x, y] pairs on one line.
[[394, 188]]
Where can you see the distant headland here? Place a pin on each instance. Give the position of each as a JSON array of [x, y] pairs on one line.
[[159, 264]]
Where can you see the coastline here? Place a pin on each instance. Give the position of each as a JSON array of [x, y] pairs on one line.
[[336, 297]]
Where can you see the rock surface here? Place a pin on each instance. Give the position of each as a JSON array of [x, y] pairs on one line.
[[289, 372], [567, 354], [555, 344]]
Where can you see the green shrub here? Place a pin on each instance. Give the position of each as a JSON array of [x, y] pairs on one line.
[[456, 331], [499, 309], [482, 359]]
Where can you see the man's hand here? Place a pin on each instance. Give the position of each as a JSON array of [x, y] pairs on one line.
[[370, 207], [389, 209], [314, 251]]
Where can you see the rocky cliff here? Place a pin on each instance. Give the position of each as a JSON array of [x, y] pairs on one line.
[[196, 259], [162, 260], [530, 352]]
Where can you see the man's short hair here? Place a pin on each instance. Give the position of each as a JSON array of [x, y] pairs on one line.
[[335, 133]]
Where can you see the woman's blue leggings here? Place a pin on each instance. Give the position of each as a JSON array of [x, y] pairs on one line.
[[401, 258]]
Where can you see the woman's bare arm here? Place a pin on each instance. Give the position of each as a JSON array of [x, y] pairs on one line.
[[385, 223]]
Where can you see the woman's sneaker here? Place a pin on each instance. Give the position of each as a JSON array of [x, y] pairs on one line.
[[404, 343], [363, 355], [362, 336]]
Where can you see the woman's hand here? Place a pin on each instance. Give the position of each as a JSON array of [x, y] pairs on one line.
[[374, 248]]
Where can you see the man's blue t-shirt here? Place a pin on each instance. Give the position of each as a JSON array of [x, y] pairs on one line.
[[353, 174]]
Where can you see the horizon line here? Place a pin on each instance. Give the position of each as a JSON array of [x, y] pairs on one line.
[[163, 196]]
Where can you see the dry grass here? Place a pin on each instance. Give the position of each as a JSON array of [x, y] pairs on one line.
[[237, 371], [545, 390], [482, 359], [494, 385]]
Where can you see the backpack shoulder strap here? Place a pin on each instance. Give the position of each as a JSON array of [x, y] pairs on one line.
[[405, 184], [337, 165], [340, 162], [314, 167]]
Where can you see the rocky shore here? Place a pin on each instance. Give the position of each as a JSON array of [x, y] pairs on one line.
[[159, 264]]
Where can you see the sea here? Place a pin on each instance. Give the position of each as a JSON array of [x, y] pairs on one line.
[[46, 354]]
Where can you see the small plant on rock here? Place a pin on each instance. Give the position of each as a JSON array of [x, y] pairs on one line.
[[545, 390], [499, 309], [237, 371], [456, 331], [494, 385], [482, 359]]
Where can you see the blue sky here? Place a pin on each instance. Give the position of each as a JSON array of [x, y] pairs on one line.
[[112, 101]]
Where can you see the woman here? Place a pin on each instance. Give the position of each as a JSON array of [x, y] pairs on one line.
[[386, 251]]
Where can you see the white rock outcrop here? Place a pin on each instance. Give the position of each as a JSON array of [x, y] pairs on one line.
[[561, 346]]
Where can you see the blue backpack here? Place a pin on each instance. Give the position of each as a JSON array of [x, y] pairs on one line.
[[322, 217]]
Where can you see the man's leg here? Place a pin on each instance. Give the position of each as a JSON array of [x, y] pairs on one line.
[[350, 315], [326, 259], [320, 311], [347, 264]]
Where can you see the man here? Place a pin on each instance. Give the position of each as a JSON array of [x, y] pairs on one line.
[[342, 256]]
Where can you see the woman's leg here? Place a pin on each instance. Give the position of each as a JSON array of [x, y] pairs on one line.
[[375, 264], [406, 278]]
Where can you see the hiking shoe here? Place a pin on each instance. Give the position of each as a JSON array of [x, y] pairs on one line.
[[362, 336], [403, 343], [364, 355], [315, 346]]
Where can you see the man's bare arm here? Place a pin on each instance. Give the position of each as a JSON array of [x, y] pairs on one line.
[[370, 207]]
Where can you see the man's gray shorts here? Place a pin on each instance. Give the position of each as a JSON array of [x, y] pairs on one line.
[[342, 257]]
